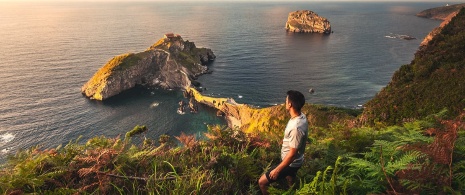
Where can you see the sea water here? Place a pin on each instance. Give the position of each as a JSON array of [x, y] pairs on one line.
[[49, 50]]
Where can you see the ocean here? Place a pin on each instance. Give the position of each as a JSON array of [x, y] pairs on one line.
[[49, 50]]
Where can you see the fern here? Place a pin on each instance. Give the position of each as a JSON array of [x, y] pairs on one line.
[[324, 186], [405, 161], [312, 187], [460, 144]]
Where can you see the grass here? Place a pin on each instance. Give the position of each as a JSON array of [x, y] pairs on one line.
[[230, 161]]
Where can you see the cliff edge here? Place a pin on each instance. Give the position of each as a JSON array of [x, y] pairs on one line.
[[433, 81], [305, 21], [169, 63], [445, 13]]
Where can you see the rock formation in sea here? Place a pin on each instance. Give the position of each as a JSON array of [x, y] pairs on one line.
[[169, 63], [305, 21]]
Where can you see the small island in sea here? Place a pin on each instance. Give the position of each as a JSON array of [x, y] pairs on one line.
[[169, 63], [306, 21]]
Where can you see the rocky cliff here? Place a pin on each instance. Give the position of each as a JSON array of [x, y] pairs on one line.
[[305, 21], [169, 63]]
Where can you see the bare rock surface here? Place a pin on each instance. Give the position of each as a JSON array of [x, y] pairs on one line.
[[305, 21], [170, 63]]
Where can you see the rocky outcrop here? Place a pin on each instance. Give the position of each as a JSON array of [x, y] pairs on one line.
[[169, 63], [305, 21], [441, 13], [250, 119]]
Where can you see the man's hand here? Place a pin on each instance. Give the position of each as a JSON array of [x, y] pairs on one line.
[[274, 174], [286, 162]]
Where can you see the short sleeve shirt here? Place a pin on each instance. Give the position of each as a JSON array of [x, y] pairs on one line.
[[295, 136]]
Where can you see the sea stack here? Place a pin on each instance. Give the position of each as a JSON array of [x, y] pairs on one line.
[[305, 21], [170, 63]]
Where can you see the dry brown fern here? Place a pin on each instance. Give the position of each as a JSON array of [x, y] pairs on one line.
[[438, 169], [188, 141], [91, 167], [256, 141]]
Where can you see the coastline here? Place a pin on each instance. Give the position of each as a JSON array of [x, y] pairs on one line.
[[219, 104], [243, 116]]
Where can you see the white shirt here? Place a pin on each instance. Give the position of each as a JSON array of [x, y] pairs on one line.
[[295, 136]]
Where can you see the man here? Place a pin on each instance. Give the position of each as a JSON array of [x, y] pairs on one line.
[[293, 147]]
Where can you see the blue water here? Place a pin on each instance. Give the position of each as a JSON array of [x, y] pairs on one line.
[[49, 50]]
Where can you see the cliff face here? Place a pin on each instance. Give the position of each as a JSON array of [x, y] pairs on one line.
[[431, 82], [169, 63], [305, 21]]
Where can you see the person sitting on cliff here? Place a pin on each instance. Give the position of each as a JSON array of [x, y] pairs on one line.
[[293, 146]]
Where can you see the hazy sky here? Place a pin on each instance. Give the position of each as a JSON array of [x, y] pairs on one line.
[[443, 1]]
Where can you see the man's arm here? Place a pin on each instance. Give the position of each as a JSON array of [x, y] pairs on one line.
[[286, 162]]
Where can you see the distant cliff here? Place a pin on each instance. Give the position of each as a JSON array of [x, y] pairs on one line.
[[440, 13], [305, 21], [169, 63], [434, 80], [437, 30]]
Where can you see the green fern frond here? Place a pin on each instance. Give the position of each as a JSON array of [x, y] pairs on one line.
[[52, 174], [140, 155], [310, 188], [411, 184], [364, 165], [413, 136], [459, 178], [404, 161], [460, 143]]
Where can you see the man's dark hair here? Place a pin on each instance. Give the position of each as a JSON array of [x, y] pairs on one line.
[[296, 98]]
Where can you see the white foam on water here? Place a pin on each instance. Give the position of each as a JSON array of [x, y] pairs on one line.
[[7, 137], [154, 104], [4, 151]]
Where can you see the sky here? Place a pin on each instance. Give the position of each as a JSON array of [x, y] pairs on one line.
[[445, 1]]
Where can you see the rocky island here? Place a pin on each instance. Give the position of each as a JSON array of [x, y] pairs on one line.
[[305, 21], [169, 63]]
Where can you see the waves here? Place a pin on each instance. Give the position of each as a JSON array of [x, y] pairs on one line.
[[4, 139], [50, 53]]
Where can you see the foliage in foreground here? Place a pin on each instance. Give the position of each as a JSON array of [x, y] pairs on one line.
[[424, 157]]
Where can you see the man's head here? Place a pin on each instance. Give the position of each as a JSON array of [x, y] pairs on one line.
[[295, 100]]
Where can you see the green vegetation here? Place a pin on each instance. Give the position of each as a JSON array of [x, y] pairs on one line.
[[124, 61], [137, 130], [118, 63], [433, 81], [425, 156], [128, 60], [413, 142]]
